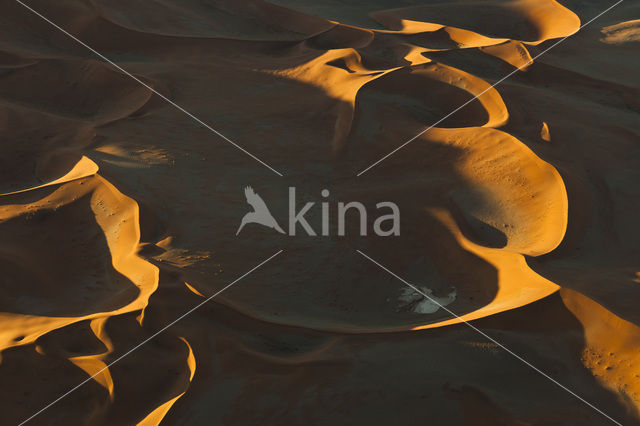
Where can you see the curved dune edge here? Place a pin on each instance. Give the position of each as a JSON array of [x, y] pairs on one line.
[[95, 363], [530, 192], [536, 200], [339, 83], [611, 347], [518, 285], [295, 25], [464, 38], [532, 198], [156, 416], [341, 73], [563, 21], [512, 52], [84, 167], [118, 217], [344, 82]]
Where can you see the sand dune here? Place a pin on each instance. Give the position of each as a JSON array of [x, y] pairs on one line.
[[118, 213], [523, 20]]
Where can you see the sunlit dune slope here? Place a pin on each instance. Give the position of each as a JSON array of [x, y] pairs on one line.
[[119, 213]]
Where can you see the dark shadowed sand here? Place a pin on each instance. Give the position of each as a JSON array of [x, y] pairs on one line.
[[519, 212]]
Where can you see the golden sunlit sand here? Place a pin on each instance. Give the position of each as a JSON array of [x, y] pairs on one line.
[[119, 212]]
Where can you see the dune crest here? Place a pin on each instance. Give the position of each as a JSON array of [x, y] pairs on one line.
[[83, 168], [156, 416], [117, 218], [118, 213], [488, 18]]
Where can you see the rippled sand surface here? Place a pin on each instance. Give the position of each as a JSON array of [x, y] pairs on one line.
[[118, 212]]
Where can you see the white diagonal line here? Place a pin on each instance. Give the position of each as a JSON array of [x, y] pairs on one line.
[[486, 90], [150, 337], [492, 339], [150, 88]]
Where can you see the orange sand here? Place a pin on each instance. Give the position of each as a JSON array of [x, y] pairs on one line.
[[118, 212]]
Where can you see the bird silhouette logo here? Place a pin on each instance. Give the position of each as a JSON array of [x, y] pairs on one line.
[[260, 214]]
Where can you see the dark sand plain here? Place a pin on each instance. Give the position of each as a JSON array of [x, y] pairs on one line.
[[118, 212]]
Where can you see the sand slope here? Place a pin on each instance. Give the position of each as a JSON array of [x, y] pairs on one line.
[[118, 213]]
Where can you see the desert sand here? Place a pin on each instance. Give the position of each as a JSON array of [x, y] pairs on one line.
[[118, 212]]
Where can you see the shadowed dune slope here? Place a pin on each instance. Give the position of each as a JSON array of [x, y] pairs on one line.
[[118, 213]]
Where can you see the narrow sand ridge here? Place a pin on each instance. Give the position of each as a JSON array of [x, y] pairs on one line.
[[118, 213], [35, 267]]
